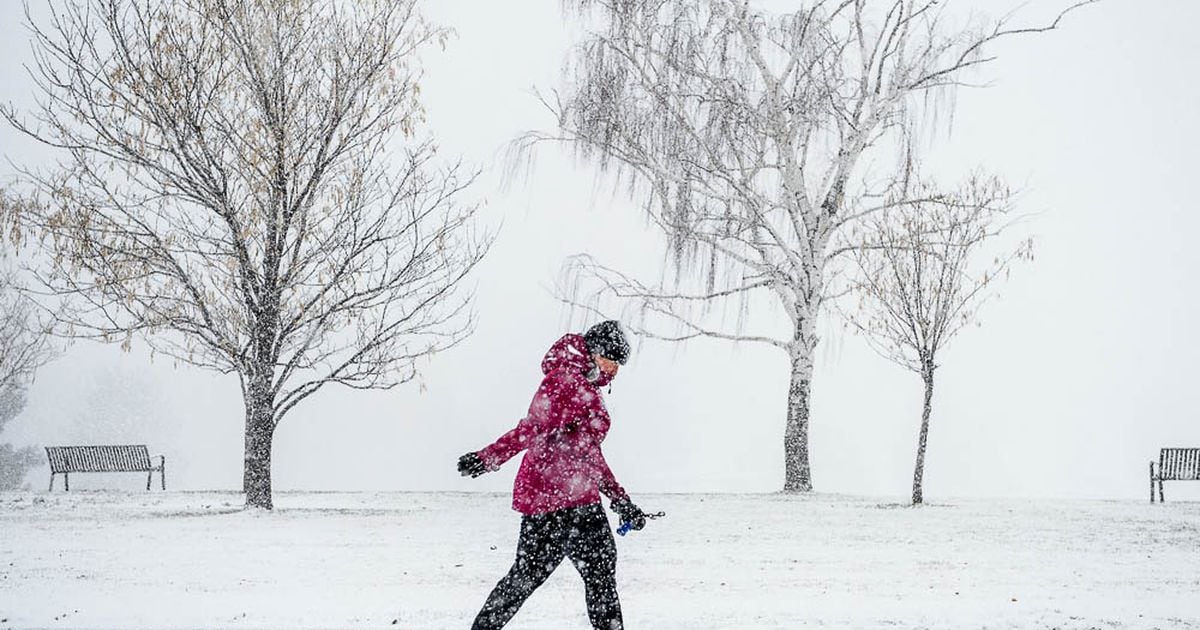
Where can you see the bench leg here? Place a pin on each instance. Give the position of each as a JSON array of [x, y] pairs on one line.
[[52, 483], [67, 481], [149, 476], [1160, 494], [1152, 482], [162, 474]]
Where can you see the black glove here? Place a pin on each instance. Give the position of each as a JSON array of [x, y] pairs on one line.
[[629, 513], [470, 464]]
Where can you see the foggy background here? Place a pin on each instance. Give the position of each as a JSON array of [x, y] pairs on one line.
[[1081, 371]]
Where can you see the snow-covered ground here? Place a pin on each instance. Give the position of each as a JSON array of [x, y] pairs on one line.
[[426, 561]]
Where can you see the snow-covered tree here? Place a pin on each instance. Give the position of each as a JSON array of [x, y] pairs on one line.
[[754, 139], [246, 186], [924, 270]]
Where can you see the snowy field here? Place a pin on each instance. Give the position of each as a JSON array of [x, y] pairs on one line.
[[426, 561]]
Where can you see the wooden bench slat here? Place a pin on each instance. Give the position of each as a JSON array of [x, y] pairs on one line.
[[110, 458]]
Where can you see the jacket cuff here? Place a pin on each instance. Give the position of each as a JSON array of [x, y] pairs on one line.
[[620, 497], [489, 461]]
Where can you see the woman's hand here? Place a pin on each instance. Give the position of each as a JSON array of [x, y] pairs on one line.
[[470, 464]]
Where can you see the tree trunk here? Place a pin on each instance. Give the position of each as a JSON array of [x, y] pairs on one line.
[[260, 430], [919, 472], [797, 474]]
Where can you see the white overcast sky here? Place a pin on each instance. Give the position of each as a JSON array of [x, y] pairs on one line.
[[1084, 368]]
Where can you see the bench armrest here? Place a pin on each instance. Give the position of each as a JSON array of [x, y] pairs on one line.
[[162, 461]]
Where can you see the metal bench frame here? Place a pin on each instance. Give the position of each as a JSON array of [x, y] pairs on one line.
[[103, 458], [1174, 464]]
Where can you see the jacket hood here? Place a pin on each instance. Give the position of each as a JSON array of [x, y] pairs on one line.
[[571, 353]]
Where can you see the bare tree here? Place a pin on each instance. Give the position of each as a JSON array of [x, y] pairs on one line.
[[246, 187], [750, 140], [24, 342], [921, 279], [24, 347]]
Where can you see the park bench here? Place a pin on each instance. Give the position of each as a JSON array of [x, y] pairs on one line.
[[110, 458], [1174, 464]]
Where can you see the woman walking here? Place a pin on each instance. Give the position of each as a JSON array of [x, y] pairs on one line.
[[563, 474]]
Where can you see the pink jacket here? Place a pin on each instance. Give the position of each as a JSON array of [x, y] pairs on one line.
[[563, 466]]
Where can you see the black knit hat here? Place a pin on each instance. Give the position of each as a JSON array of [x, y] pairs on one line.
[[607, 340]]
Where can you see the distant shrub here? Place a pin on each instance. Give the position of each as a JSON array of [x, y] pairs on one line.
[[14, 462]]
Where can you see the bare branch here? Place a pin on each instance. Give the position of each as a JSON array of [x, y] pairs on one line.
[[920, 279]]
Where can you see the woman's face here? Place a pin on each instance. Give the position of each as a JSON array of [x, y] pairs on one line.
[[608, 366]]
